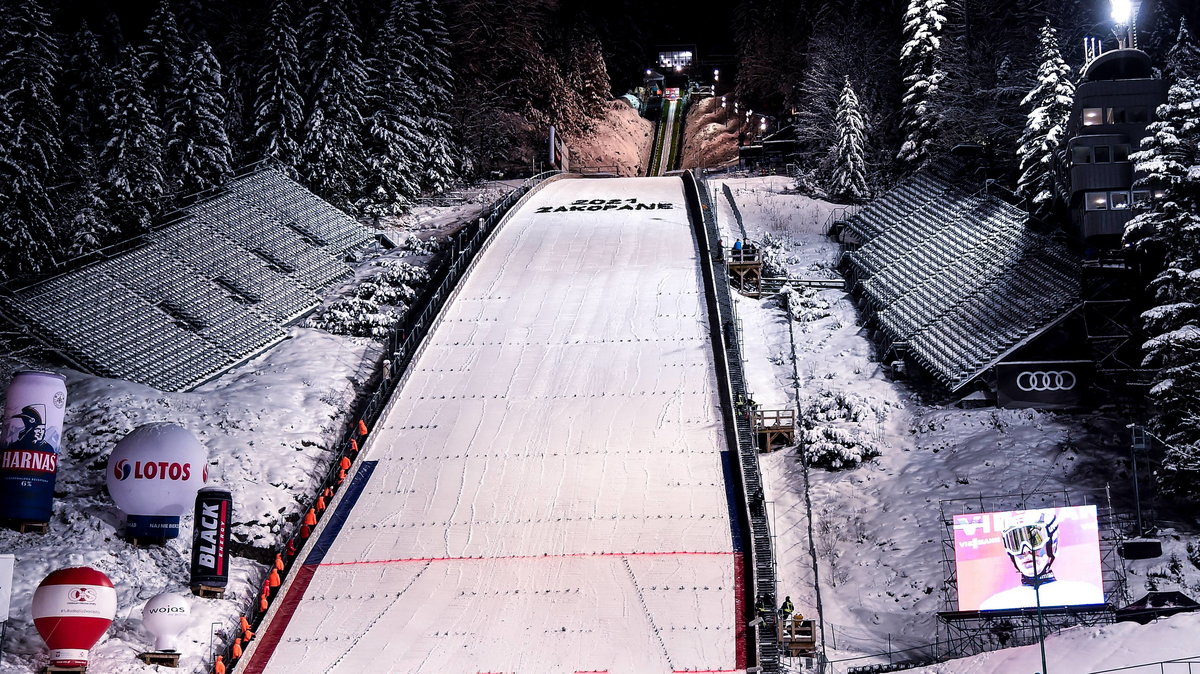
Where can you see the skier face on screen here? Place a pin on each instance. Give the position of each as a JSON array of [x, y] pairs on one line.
[[1031, 546]]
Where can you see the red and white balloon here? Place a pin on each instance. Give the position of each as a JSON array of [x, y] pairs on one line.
[[72, 608]]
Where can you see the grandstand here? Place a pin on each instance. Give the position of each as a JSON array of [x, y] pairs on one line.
[[955, 280], [212, 287]]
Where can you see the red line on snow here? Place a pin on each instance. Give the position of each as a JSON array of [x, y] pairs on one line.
[[403, 560], [739, 610], [283, 615], [703, 671]]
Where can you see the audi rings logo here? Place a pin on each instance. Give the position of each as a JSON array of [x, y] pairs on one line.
[[85, 594], [1042, 380]]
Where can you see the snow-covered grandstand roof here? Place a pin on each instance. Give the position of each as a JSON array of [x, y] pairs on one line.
[[957, 277], [200, 294]]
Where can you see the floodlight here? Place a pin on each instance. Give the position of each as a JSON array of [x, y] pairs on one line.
[[1122, 11]]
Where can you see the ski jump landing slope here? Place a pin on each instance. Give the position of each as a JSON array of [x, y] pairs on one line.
[[545, 492]]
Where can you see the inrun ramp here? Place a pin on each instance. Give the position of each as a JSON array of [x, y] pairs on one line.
[[545, 492]]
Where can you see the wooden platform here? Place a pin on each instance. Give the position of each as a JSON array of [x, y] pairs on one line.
[[55, 669], [774, 429], [208, 591], [745, 270], [798, 636], [23, 527], [160, 658]]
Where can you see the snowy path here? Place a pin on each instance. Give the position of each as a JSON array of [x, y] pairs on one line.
[[668, 138], [545, 493]]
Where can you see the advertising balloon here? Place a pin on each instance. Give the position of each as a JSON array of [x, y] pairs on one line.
[[166, 615], [72, 608], [153, 475], [210, 538], [30, 442]]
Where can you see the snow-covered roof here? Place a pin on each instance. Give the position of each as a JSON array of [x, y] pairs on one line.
[[200, 294], [959, 277]]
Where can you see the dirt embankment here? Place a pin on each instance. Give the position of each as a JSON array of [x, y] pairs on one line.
[[620, 143], [710, 135]]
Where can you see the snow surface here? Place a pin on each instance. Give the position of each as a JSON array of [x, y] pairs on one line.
[[546, 493], [268, 423], [877, 529]]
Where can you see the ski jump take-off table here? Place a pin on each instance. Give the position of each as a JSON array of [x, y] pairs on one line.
[[545, 491]]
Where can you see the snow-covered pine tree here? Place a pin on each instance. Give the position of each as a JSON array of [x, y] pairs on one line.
[[443, 160], [1183, 58], [90, 227], [131, 161], [331, 150], [88, 91], [29, 138], [597, 86], [394, 144], [1169, 236], [237, 57], [198, 152], [849, 180], [921, 64], [278, 103], [163, 57], [1051, 100]]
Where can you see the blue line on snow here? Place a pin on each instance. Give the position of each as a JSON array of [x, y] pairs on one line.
[[731, 498], [339, 515]]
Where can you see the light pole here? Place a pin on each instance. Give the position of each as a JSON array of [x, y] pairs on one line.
[[1037, 595], [212, 655], [1136, 441]]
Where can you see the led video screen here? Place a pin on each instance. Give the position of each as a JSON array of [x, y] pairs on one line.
[[1010, 560]]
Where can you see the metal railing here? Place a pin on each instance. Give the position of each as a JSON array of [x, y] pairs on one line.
[[760, 572]]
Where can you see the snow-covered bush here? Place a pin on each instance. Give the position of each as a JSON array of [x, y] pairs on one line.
[[395, 285], [774, 255], [418, 246], [802, 304], [836, 448], [357, 317], [842, 406]]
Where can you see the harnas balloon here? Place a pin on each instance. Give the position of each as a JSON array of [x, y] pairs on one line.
[[72, 608], [153, 475]]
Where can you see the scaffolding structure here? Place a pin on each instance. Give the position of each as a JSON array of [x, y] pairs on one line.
[[966, 633]]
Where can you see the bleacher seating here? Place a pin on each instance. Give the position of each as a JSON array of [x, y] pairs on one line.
[[202, 293], [957, 277]]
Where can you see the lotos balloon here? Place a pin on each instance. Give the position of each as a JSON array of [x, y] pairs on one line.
[[153, 475], [72, 608], [166, 615]]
